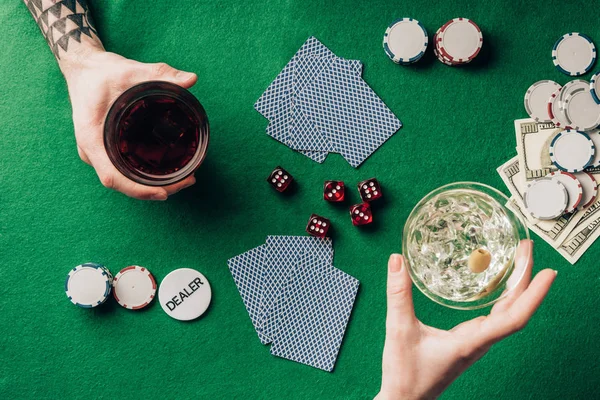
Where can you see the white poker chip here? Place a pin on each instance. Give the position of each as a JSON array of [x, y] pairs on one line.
[[572, 151], [594, 136], [555, 110], [184, 294], [545, 198], [405, 41], [574, 54], [134, 287], [581, 111], [536, 99], [595, 87], [569, 88], [573, 186], [88, 285], [460, 40], [590, 189]]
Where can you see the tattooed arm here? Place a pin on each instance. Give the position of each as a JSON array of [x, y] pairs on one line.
[[95, 78]]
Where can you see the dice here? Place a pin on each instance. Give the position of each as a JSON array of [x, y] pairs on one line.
[[317, 226], [361, 214], [334, 191], [369, 190], [280, 179]]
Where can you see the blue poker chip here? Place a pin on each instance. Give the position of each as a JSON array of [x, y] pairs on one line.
[[572, 151], [405, 41], [595, 87], [574, 54], [88, 285]]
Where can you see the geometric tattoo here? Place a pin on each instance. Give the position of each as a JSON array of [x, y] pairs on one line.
[[62, 21]]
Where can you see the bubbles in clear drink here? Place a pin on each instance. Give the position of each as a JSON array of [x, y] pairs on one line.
[[446, 230]]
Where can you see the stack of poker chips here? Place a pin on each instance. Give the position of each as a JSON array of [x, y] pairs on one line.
[[576, 105], [457, 42], [570, 188], [405, 41], [89, 285]]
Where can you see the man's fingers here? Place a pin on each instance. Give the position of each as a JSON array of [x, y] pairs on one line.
[[523, 267], [502, 324], [400, 309], [176, 187], [83, 156], [164, 72], [113, 179]]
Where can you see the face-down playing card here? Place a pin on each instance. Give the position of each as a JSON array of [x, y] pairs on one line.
[[347, 112], [290, 125], [247, 272], [281, 255], [315, 310]]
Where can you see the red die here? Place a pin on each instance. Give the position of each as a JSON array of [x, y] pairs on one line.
[[334, 191], [317, 226], [369, 190], [280, 179], [361, 214]]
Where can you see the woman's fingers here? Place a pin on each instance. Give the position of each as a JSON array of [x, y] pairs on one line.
[[502, 324], [400, 308], [522, 271]]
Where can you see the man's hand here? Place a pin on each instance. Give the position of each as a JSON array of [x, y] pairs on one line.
[[420, 362], [95, 80]]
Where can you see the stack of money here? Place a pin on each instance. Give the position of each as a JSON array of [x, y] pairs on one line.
[[572, 233]]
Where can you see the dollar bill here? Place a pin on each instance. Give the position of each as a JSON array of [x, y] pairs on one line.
[[552, 231], [533, 147], [580, 239]]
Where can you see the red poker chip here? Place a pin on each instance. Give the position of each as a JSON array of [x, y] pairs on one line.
[[134, 287]]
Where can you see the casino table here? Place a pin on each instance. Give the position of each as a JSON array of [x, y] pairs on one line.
[[458, 126]]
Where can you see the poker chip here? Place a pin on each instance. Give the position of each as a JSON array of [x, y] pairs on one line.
[[595, 87], [590, 189], [594, 136], [545, 198], [574, 54], [569, 88], [184, 294], [581, 110], [459, 41], [571, 150], [88, 285], [405, 41], [555, 110], [573, 187], [134, 287], [536, 99]]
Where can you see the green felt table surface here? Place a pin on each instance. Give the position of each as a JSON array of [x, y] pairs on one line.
[[458, 125]]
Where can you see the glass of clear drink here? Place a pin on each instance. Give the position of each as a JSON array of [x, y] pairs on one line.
[[443, 232]]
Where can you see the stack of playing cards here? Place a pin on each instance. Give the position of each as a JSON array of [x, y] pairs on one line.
[[320, 104], [296, 299]]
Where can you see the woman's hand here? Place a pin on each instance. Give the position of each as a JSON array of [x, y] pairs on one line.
[[95, 79], [420, 362]]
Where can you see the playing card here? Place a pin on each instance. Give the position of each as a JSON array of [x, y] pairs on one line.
[[281, 255], [314, 315], [290, 125], [305, 262], [318, 156], [247, 272], [268, 103], [347, 111]]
